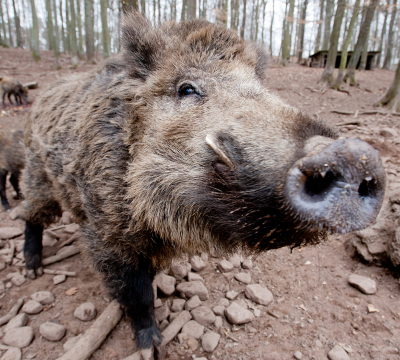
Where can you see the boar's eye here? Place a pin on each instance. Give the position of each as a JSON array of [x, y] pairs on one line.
[[188, 90]]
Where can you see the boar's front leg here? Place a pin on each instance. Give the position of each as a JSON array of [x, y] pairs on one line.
[[3, 178]]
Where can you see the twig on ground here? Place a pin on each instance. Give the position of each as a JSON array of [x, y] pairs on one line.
[[61, 255], [12, 251], [342, 112], [96, 334], [59, 272], [12, 313], [175, 326], [57, 228], [70, 240]]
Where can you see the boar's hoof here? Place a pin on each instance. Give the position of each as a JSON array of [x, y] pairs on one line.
[[340, 189], [159, 353], [33, 265], [149, 339]]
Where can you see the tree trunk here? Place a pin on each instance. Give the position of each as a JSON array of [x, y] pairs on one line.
[[35, 33], [286, 37], [10, 37], [79, 24], [17, 25], [126, 6], [343, 59], [204, 11], [383, 33], [376, 29], [364, 30], [104, 28], [389, 47], [143, 8], [330, 5], [391, 99], [89, 30], [301, 31], [3, 24], [72, 35], [56, 29], [191, 9], [364, 54], [50, 31], [264, 3], [243, 20], [327, 75], [271, 28], [319, 32], [63, 35]]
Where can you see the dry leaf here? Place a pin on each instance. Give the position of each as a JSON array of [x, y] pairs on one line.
[[71, 291]]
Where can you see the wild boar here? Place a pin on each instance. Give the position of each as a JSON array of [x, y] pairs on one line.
[[12, 160], [176, 146], [11, 86]]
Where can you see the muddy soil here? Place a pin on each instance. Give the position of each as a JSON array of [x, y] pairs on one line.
[[314, 306]]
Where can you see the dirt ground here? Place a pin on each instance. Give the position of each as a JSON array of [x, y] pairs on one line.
[[314, 307]]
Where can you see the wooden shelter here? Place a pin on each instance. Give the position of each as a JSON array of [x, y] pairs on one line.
[[319, 59]]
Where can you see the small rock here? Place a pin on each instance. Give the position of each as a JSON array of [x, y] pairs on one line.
[[191, 288], [19, 321], [194, 329], [232, 294], [389, 133], [337, 353], [58, 279], [204, 256], [197, 263], [2, 288], [162, 313], [193, 303], [12, 353], [18, 280], [66, 218], [48, 240], [85, 312], [178, 305], [2, 265], [52, 331], [243, 277], [235, 260], [17, 213], [32, 307], [390, 350], [192, 343], [165, 283], [70, 343], [247, 264], [173, 315], [237, 314], [194, 277], [163, 325], [8, 285], [19, 337], [259, 294], [224, 302], [364, 284], [71, 228], [210, 341], [298, 355], [19, 245], [218, 322], [10, 232], [182, 338], [219, 310], [203, 315], [180, 271], [225, 266], [157, 303], [44, 297]]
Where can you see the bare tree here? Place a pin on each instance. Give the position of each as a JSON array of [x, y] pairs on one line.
[[243, 20], [73, 43], [79, 24], [10, 37], [56, 29], [183, 12], [364, 30], [64, 34], [383, 33], [126, 6], [271, 27], [50, 30], [389, 47], [17, 22], [104, 28], [364, 54], [301, 31], [330, 5], [191, 9], [264, 3], [3, 23], [321, 21], [286, 36], [89, 31], [391, 99], [327, 75], [35, 33]]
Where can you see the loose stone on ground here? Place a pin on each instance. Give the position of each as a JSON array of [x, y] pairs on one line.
[[259, 294], [237, 314], [19, 337], [337, 353], [32, 307], [85, 312], [43, 297], [362, 283], [191, 288], [52, 331]]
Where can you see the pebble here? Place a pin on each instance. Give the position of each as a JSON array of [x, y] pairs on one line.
[[71, 228], [16, 213], [192, 343], [48, 240], [173, 315], [166, 283], [235, 260], [52, 331], [44, 297], [162, 313], [85, 311], [2, 265], [191, 288], [298, 355], [19, 337], [236, 314], [2, 288], [210, 341], [193, 303], [364, 284], [203, 315], [193, 329], [157, 303], [19, 321], [12, 353], [32, 307], [232, 294], [225, 266], [66, 218], [70, 343], [178, 305], [164, 325], [243, 277], [247, 264], [180, 271], [259, 294], [10, 232], [18, 280], [197, 263], [219, 310], [389, 133], [218, 322], [337, 353], [194, 277], [224, 302], [8, 285], [58, 279]]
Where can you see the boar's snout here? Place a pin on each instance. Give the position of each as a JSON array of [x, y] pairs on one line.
[[339, 189]]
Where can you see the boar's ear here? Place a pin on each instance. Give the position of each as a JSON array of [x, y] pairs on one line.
[[143, 45], [257, 56]]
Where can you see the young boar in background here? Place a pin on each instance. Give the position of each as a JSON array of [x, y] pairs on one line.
[[175, 147], [12, 160], [11, 86]]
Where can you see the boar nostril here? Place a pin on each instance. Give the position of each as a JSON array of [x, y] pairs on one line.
[[317, 186], [368, 187]]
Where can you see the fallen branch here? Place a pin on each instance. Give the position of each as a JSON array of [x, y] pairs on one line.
[[31, 85], [12, 251], [342, 112], [59, 272], [96, 334], [70, 240], [176, 325], [135, 356], [370, 112], [57, 228], [61, 255], [12, 313]]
